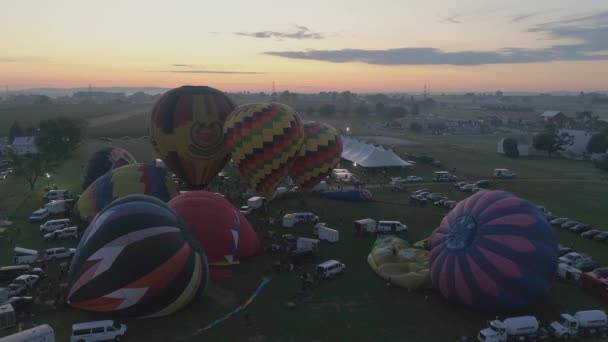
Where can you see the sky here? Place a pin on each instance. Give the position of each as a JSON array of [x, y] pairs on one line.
[[307, 46]]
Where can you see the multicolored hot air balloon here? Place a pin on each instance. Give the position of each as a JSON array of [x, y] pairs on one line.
[[217, 225], [136, 259], [140, 178], [351, 195], [186, 130], [104, 160], [320, 153], [493, 252], [263, 139], [393, 258]]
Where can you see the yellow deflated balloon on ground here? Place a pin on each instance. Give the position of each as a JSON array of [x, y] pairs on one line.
[[396, 261]]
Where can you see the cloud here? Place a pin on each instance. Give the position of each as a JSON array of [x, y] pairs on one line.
[[300, 33], [522, 17], [452, 19], [588, 32], [12, 60], [211, 72], [183, 65]]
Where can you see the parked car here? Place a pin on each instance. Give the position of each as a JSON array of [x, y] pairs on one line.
[[53, 225], [39, 215], [573, 258], [449, 204], [459, 184], [482, 183], [590, 233], [19, 303], [434, 197], [16, 289], [436, 163], [419, 191], [65, 233], [602, 236], [413, 179], [440, 201], [424, 194], [569, 224], [98, 331], [468, 187], [59, 253], [29, 280], [559, 221], [563, 250], [330, 268], [580, 228], [588, 265]]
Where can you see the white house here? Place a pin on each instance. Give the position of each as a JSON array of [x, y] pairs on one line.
[[523, 147], [578, 150], [551, 114], [24, 145]]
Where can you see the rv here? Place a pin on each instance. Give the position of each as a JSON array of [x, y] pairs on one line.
[[24, 256], [41, 333], [307, 244]]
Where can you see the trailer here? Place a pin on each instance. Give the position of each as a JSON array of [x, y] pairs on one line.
[[256, 202], [41, 333], [328, 234], [307, 244], [365, 226]]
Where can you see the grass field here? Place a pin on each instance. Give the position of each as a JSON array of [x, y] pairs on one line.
[[356, 306]]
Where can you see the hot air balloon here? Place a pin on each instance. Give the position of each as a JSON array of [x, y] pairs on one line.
[[351, 195], [136, 259], [263, 139], [104, 160], [493, 252], [140, 178], [393, 258], [217, 225], [186, 130], [321, 151]]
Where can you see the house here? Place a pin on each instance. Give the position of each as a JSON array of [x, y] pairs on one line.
[[24, 145], [523, 146], [552, 115], [578, 149]]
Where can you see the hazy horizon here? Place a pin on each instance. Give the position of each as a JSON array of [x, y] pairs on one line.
[[384, 46]]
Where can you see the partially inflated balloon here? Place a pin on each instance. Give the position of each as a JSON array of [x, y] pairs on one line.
[[263, 139], [321, 151], [186, 131], [494, 252], [146, 179], [219, 227], [136, 259], [104, 160], [393, 259]]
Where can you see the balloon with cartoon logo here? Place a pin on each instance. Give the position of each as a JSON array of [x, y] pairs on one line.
[[186, 130]]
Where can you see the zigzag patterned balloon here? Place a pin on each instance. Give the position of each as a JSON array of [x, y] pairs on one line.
[[263, 139]]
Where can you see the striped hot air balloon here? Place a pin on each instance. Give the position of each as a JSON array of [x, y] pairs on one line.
[[263, 139], [319, 154], [104, 160], [493, 252], [136, 259], [146, 179], [186, 131]]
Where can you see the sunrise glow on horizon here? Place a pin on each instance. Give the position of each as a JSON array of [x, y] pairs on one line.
[[362, 46]]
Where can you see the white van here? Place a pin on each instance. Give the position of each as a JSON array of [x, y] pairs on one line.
[[388, 226], [24, 256], [330, 268], [59, 253], [57, 206], [41, 333], [289, 220], [56, 194], [39, 215], [53, 225], [61, 234], [97, 331]]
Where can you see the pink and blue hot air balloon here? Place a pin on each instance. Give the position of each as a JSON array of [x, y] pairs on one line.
[[492, 252]]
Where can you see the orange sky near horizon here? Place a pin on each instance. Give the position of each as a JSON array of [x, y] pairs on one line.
[[67, 43]]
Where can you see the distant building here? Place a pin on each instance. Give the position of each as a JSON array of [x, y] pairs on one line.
[[552, 115], [24, 145], [578, 150], [523, 146]]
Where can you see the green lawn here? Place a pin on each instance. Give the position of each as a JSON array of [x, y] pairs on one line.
[[356, 306]]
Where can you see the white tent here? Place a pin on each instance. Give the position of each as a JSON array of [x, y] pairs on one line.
[[369, 155]]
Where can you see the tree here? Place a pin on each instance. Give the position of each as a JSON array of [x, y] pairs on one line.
[[416, 127], [346, 110], [327, 110], [415, 110], [285, 97], [550, 141], [29, 167], [509, 146], [59, 137], [379, 108], [397, 112], [598, 143], [310, 110], [362, 110], [14, 131]]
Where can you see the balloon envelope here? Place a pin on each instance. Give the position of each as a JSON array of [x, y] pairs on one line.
[[186, 130], [217, 225], [136, 259], [320, 153], [263, 140], [393, 258], [492, 252], [104, 160], [140, 178]]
